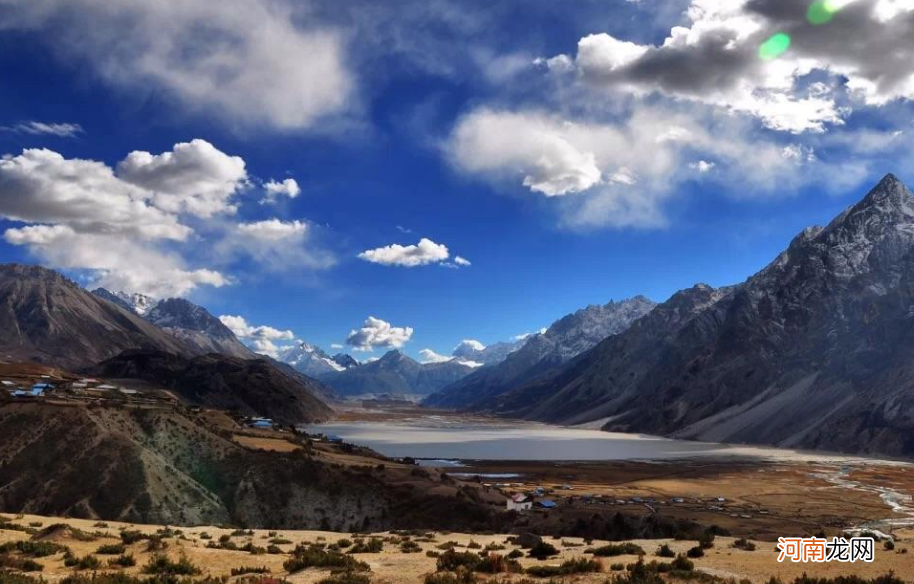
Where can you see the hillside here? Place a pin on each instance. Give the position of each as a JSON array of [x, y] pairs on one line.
[[252, 386], [543, 352], [815, 351], [166, 466], [46, 318]]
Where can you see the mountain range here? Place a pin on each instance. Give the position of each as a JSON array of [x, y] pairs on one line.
[[395, 374], [543, 352], [816, 350]]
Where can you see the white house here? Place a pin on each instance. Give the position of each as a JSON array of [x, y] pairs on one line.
[[520, 502]]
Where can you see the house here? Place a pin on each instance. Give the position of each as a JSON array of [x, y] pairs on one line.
[[546, 504], [39, 388], [262, 424], [520, 502], [333, 438]]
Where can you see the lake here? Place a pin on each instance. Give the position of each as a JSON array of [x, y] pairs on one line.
[[460, 438]]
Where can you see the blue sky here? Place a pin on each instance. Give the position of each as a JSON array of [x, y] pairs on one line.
[[571, 153]]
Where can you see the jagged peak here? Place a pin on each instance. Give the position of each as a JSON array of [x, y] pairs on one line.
[[889, 192]]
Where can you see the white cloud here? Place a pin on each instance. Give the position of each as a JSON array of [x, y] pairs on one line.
[[461, 261], [535, 146], [258, 338], [336, 346], [249, 61], [377, 333], [430, 356], [702, 166], [468, 347], [715, 59], [274, 190], [194, 178], [274, 229], [409, 256], [61, 130]]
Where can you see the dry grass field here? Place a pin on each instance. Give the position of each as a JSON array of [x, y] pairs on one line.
[[392, 565]]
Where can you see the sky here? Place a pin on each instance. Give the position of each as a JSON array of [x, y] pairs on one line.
[[367, 176]]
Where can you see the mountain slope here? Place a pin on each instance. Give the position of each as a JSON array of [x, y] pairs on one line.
[[816, 350], [252, 386], [46, 318], [541, 353], [310, 360], [170, 467], [197, 327], [395, 373]]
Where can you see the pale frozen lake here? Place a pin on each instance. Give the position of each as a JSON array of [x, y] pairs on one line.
[[452, 437]]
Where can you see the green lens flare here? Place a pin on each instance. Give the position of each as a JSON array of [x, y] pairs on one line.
[[822, 11], [775, 46]]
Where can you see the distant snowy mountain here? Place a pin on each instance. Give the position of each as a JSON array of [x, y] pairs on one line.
[[565, 339], [313, 361], [471, 352], [137, 303], [395, 374]]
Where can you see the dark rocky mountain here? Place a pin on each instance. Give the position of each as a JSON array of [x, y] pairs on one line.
[[250, 386], [46, 318], [816, 350], [197, 327], [543, 352], [171, 467], [397, 374], [182, 319], [345, 361]]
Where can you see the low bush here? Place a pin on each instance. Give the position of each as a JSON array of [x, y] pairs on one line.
[[35, 549], [461, 576], [122, 561], [87, 562], [493, 563], [451, 560], [543, 550], [346, 578], [567, 568], [20, 564], [111, 549], [410, 547], [129, 536], [161, 564], [373, 545], [664, 551], [744, 544], [695, 552], [313, 556], [617, 549], [250, 570]]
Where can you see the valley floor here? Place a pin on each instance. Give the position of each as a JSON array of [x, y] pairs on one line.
[[392, 565]]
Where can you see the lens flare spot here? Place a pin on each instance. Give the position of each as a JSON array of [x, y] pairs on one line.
[[775, 46], [823, 11]]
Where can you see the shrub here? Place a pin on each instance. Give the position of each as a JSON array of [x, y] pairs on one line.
[[461, 576], [111, 549], [313, 556], [682, 564], [473, 545], [494, 563], [129, 536], [695, 552], [123, 561], [250, 570], [664, 551], [744, 544], [432, 554], [21, 564], [346, 578], [273, 549], [343, 543], [451, 560], [35, 549], [568, 567], [161, 564], [617, 567], [889, 545], [87, 562], [410, 547], [543, 550], [617, 549], [706, 541], [374, 545]]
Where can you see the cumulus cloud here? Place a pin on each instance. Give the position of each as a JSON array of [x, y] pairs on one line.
[[195, 178], [275, 245], [377, 333], [275, 190], [239, 325], [250, 61], [35, 128], [468, 348], [430, 356], [424, 253], [538, 147], [715, 59], [461, 261], [131, 225]]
